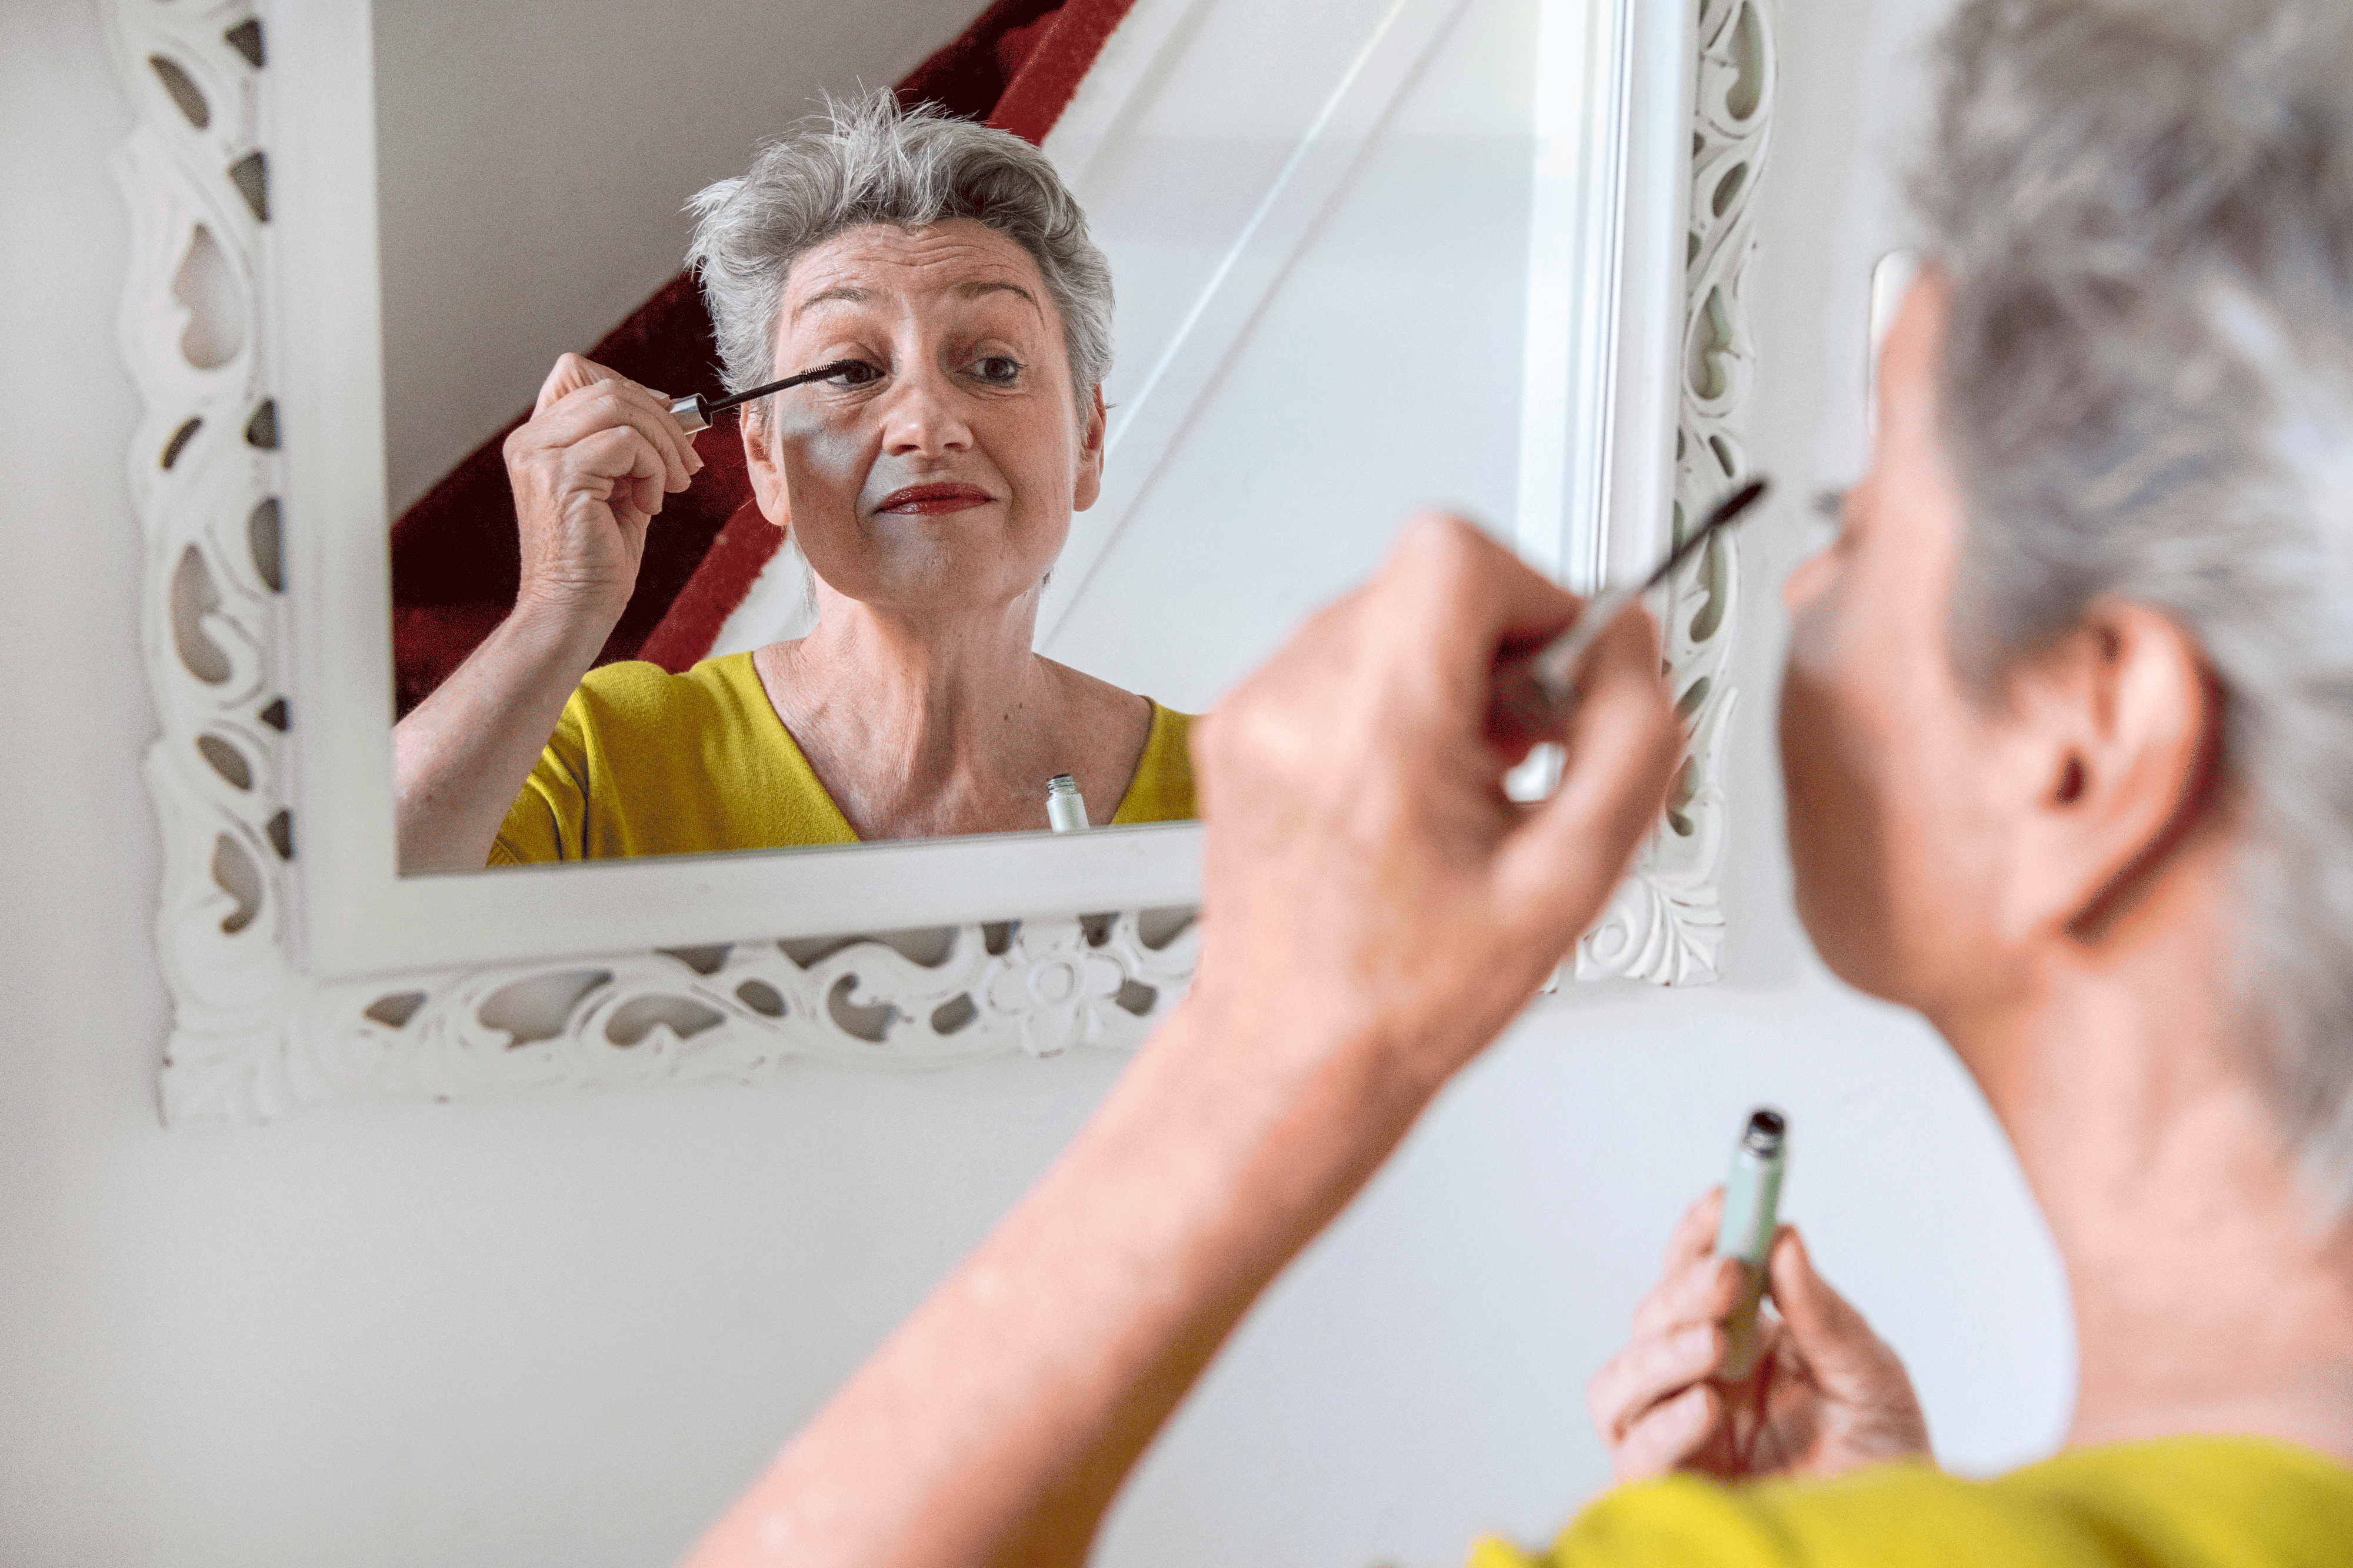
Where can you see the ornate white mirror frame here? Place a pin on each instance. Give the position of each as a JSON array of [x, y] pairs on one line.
[[300, 978]]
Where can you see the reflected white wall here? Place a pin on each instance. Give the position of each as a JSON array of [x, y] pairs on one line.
[[1384, 374]]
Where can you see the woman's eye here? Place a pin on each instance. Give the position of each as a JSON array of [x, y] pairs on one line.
[[1001, 370], [857, 372]]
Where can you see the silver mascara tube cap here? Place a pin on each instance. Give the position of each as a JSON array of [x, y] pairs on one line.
[[688, 412], [1066, 809]]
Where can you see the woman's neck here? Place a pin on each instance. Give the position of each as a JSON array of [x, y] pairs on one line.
[[949, 676], [946, 722], [2209, 1293]]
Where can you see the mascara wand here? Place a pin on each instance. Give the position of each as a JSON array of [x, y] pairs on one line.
[[695, 413], [1535, 688]]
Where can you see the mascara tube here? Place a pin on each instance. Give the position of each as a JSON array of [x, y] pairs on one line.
[[1066, 808], [1752, 1203]]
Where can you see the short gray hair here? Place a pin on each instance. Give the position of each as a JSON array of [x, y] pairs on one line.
[[867, 161], [2144, 211]]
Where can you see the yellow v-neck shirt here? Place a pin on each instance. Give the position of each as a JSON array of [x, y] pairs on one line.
[[2174, 1502], [646, 763]]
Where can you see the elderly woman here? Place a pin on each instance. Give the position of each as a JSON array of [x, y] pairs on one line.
[[2068, 736], [2067, 731], [929, 484]]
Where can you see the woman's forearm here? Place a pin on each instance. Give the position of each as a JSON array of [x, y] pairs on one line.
[[461, 756], [998, 1424], [1375, 912]]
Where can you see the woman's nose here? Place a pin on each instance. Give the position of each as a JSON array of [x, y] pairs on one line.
[[920, 417]]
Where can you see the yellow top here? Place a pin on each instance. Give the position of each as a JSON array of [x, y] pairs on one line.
[[646, 763], [2171, 1503]]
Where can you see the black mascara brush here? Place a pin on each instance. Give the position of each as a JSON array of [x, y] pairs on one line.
[[1535, 689], [695, 413]]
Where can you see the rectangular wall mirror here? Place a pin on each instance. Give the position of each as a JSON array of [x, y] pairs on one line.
[[1389, 254]]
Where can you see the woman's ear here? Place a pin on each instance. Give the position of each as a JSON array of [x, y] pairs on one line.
[[768, 486], [2117, 730], [1091, 455]]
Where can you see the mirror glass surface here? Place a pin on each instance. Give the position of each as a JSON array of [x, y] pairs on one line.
[[1319, 233]]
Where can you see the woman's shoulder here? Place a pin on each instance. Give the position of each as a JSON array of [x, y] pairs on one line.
[[1127, 731], [634, 694], [691, 762], [1162, 789], [2153, 1505], [1169, 742], [2228, 1491]]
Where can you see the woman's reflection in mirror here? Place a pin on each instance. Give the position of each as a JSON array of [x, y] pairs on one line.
[[929, 487]]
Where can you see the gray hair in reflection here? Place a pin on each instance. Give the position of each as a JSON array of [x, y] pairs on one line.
[[867, 161], [2144, 209]]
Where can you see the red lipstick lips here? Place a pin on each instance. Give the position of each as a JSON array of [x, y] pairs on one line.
[[929, 500]]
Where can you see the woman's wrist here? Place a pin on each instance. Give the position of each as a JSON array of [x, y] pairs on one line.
[[1388, 1053], [553, 632], [1319, 1098]]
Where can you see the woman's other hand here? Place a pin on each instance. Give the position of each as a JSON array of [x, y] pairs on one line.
[[1827, 1393], [590, 469]]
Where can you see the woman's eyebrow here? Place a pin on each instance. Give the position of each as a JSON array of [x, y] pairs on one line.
[[846, 294], [851, 294], [974, 291]]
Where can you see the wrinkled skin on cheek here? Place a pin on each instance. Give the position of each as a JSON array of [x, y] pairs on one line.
[[985, 554], [1838, 838], [1889, 763]]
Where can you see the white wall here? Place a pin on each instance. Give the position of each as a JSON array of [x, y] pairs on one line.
[[561, 1333], [532, 162]]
